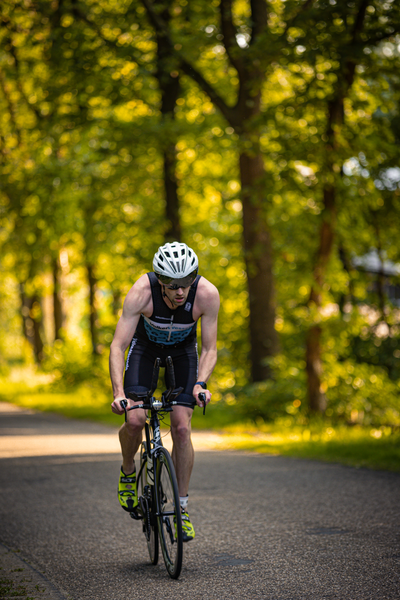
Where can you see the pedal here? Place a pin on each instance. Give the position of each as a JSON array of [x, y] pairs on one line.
[[135, 515]]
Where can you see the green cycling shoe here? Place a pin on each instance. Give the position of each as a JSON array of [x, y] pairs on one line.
[[187, 527], [127, 491]]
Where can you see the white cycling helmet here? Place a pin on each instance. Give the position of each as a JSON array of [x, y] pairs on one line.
[[176, 264]]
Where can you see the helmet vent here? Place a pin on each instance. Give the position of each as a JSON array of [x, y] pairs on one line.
[[175, 260]]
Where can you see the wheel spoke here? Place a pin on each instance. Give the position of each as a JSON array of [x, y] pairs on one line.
[[170, 526], [146, 496]]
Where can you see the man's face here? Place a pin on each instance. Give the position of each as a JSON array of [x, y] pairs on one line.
[[176, 297]]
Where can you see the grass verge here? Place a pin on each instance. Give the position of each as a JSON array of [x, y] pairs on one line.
[[354, 446]]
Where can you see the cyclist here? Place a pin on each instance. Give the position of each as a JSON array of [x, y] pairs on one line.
[[159, 319]]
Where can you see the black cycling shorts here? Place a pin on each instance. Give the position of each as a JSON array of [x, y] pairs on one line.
[[140, 363]]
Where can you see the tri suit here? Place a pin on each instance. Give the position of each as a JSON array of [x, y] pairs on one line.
[[166, 332]]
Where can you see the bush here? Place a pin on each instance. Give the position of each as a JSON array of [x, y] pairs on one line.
[[72, 364], [362, 393], [378, 351], [283, 395], [356, 393]]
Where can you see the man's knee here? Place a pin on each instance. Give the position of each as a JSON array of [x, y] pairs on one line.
[[134, 425], [181, 432]]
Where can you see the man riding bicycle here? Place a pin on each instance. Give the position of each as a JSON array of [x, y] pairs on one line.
[[159, 319]]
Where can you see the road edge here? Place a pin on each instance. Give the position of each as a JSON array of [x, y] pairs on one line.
[[15, 568]]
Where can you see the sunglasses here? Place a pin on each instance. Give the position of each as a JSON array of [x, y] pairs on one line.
[[173, 283], [175, 286]]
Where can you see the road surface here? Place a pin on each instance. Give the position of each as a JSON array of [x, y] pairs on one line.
[[267, 527]]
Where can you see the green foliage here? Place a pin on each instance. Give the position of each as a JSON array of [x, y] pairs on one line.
[[71, 364], [82, 183], [361, 393], [378, 351], [272, 399]]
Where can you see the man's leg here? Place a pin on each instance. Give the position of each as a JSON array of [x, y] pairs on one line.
[[183, 457], [182, 449], [137, 378], [130, 436]]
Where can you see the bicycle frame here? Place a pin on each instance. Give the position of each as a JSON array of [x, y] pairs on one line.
[[155, 506]]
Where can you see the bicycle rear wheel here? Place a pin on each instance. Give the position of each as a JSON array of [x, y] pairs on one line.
[[147, 504], [169, 514]]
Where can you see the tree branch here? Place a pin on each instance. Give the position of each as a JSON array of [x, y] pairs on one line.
[[161, 27], [229, 32], [156, 20], [359, 21], [376, 40], [227, 111], [20, 87], [259, 17], [291, 21]]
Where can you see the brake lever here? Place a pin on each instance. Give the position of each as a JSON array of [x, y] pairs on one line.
[[124, 404], [202, 398]]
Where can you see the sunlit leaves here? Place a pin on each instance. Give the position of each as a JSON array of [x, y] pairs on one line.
[[82, 140]]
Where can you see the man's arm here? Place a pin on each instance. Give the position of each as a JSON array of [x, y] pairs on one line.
[[209, 305], [138, 298]]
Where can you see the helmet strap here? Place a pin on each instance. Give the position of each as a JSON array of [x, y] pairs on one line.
[[165, 296]]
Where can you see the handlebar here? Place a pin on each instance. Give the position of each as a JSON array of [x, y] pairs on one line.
[[163, 405]]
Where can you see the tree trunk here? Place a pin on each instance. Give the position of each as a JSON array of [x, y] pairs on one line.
[[26, 306], [335, 119], [317, 399], [57, 303], [92, 308], [37, 318], [243, 117], [174, 231], [258, 259], [31, 312], [349, 296], [116, 302], [380, 276], [168, 80]]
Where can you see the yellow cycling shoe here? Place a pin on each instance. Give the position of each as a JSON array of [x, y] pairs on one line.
[[127, 491], [187, 527]]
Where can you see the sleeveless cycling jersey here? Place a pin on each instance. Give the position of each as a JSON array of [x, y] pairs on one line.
[[165, 326]]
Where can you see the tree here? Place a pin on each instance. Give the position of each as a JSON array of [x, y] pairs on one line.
[[248, 62], [336, 52]]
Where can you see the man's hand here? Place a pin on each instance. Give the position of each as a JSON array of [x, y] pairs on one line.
[[116, 405], [199, 390]]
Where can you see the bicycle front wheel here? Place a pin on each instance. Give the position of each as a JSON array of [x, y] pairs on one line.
[[169, 514], [147, 504]]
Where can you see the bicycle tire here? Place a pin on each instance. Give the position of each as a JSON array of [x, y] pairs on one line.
[[147, 493], [169, 516]]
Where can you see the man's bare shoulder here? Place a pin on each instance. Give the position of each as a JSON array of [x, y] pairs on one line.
[[139, 299], [207, 297]]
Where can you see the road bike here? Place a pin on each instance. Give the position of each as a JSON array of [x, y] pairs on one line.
[[158, 496]]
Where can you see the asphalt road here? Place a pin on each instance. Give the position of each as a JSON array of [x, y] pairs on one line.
[[266, 527]]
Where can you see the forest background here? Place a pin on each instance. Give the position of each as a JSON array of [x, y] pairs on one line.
[[265, 135]]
